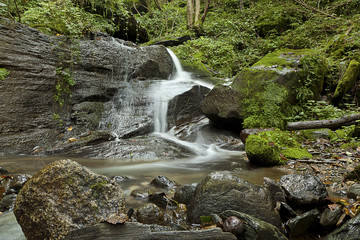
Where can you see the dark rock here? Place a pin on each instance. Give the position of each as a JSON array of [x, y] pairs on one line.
[[350, 230], [254, 228], [286, 212], [150, 214], [277, 194], [7, 203], [219, 107], [163, 182], [64, 196], [186, 106], [354, 191], [3, 171], [18, 181], [161, 200], [250, 131], [185, 193], [234, 225], [303, 189], [174, 42], [133, 230], [301, 224], [219, 192], [120, 179], [330, 217], [27, 118]]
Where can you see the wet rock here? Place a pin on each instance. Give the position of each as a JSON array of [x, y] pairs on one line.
[[354, 174], [18, 181], [354, 191], [303, 189], [330, 217], [3, 171], [139, 194], [161, 200], [253, 228], [350, 230], [186, 106], [286, 212], [120, 179], [277, 194], [28, 116], [64, 196], [301, 224], [133, 230], [7, 203], [150, 214], [163, 182], [174, 42], [219, 192], [185, 193], [234, 225]]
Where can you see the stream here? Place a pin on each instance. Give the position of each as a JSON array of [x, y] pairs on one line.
[[210, 149]]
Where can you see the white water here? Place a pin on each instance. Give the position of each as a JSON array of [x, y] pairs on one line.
[[162, 93]]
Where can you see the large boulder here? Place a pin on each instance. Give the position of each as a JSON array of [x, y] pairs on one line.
[[61, 83], [262, 94], [220, 192], [303, 190], [64, 196]]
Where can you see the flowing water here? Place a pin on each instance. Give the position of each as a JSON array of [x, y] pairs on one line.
[[143, 105]]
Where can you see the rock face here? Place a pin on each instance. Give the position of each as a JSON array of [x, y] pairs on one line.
[[269, 87], [303, 189], [65, 196], [219, 192], [82, 75], [350, 230]]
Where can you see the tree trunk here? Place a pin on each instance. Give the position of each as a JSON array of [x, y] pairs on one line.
[[190, 13], [332, 124], [206, 9], [197, 12]]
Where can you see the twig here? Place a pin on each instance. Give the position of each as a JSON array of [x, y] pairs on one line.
[[314, 9]]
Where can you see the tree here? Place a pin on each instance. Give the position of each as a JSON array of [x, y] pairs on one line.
[[193, 13]]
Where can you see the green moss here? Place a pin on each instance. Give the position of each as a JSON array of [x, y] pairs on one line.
[[274, 148], [282, 58], [3, 73], [347, 82], [343, 134]]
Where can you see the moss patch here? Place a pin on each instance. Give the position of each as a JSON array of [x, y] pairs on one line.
[[3, 73], [347, 82], [274, 148]]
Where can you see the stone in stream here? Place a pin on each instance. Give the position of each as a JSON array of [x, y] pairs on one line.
[[253, 228], [150, 214], [163, 182], [354, 191], [349, 231], [64, 196], [303, 189], [301, 224], [330, 217], [3, 171], [220, 192], [7, 203], [185, 193]]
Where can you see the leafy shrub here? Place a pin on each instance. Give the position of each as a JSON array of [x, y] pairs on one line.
[[3, 73], [63, 17]]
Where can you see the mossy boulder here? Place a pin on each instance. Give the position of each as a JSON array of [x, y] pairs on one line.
[[264, 94], [274, 148], [347, 82]]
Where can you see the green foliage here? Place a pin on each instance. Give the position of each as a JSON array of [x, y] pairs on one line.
[[217, 56], [266, 109], [64, 17], [63, 86], [3, 73], [343, 134]]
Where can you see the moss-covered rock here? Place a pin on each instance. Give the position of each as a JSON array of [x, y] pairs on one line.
[[347, 82], [274, 148], [264, 94]]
